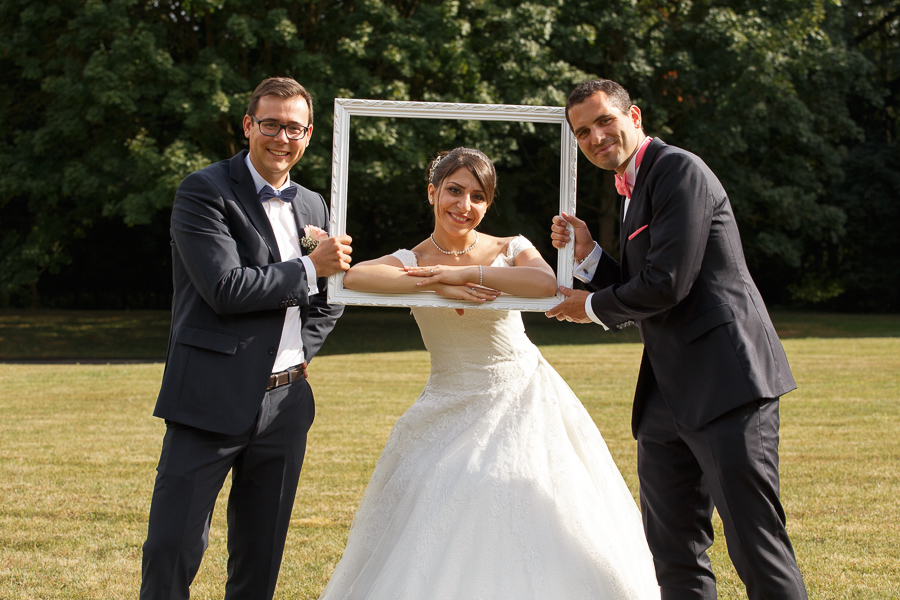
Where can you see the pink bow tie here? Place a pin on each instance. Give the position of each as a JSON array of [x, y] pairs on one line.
[[623, 188]]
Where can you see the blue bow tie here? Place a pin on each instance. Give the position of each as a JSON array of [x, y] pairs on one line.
[[267, 193]]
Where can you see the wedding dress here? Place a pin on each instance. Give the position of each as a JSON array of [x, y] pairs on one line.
[[495, 484]]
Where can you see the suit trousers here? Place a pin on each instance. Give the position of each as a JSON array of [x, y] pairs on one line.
[[265, 463], [730, 464]]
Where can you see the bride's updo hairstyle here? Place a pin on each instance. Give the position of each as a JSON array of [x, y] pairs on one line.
[[475, 161]]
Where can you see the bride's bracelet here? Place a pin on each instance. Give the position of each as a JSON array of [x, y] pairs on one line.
[[480, 276]]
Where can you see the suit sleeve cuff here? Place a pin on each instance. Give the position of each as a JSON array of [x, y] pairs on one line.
[[311, 280], [590, 312], [588, 267]]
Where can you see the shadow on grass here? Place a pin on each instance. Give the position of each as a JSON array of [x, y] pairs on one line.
[[364, 329], [83, 336], [123, 336]]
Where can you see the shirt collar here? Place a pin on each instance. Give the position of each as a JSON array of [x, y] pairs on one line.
[[258, 179]]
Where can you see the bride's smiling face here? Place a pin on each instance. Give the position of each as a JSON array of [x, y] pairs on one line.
[[459, 204]]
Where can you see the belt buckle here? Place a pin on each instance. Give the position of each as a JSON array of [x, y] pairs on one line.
[[291, 373]]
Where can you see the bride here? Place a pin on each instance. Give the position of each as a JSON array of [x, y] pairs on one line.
[[496, 483]]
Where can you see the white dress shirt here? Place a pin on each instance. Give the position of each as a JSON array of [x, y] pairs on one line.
[[281, 216]]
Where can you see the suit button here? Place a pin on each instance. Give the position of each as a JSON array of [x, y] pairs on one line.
[[273, 350]]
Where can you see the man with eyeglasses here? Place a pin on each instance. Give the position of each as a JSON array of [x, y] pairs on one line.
[[248, 314]]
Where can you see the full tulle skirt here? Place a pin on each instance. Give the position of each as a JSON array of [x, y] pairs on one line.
[[496, 484]]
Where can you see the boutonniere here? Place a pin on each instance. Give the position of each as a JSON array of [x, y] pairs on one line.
[[312, 235]]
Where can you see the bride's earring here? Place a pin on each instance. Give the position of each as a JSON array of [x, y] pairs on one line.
[[430, 200]]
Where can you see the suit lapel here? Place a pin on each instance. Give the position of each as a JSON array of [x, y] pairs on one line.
[[301, 219], [245, 193], [630, 224], [646, 164], [301, 213]]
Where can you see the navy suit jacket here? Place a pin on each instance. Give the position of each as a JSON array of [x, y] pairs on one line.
[[231, 293], [683, 281]]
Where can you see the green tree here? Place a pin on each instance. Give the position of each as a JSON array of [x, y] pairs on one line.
[[868, 256], [108, 105], [759, 91], [99, 120]]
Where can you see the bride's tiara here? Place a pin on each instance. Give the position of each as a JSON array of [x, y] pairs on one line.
[[460, 150], [434, 164]]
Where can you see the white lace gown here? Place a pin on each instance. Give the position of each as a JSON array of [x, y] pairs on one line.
[[495, 484]]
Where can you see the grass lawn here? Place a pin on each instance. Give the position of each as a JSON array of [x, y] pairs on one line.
[[91, 336], [80, 447]]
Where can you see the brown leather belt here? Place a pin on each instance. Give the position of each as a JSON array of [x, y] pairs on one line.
[[284, 377]]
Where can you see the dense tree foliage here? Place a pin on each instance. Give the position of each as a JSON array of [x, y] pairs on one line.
[[108, 105], [867, 256]]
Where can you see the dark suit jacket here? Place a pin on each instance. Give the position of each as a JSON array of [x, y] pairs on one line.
[[231, 293], [683, 281]]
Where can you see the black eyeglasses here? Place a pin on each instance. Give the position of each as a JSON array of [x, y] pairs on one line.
[[271, 129]]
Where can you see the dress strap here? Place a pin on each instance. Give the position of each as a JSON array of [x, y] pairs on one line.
[[516, 245], [406, 257]]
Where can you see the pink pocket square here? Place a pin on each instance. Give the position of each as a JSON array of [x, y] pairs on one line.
[[633, 235]]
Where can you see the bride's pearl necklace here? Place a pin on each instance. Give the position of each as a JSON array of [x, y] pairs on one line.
[[454, 252]]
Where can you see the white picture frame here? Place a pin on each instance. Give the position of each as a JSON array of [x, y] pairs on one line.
[[344, 108]]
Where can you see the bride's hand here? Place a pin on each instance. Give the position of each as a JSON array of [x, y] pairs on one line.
[[453, 282], [471, 292], [444, 274]]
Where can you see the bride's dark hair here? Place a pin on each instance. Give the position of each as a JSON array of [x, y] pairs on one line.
[[475, 161]]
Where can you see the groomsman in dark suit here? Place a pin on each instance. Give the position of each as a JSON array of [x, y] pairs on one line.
[[248, 314], [705, 412]]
